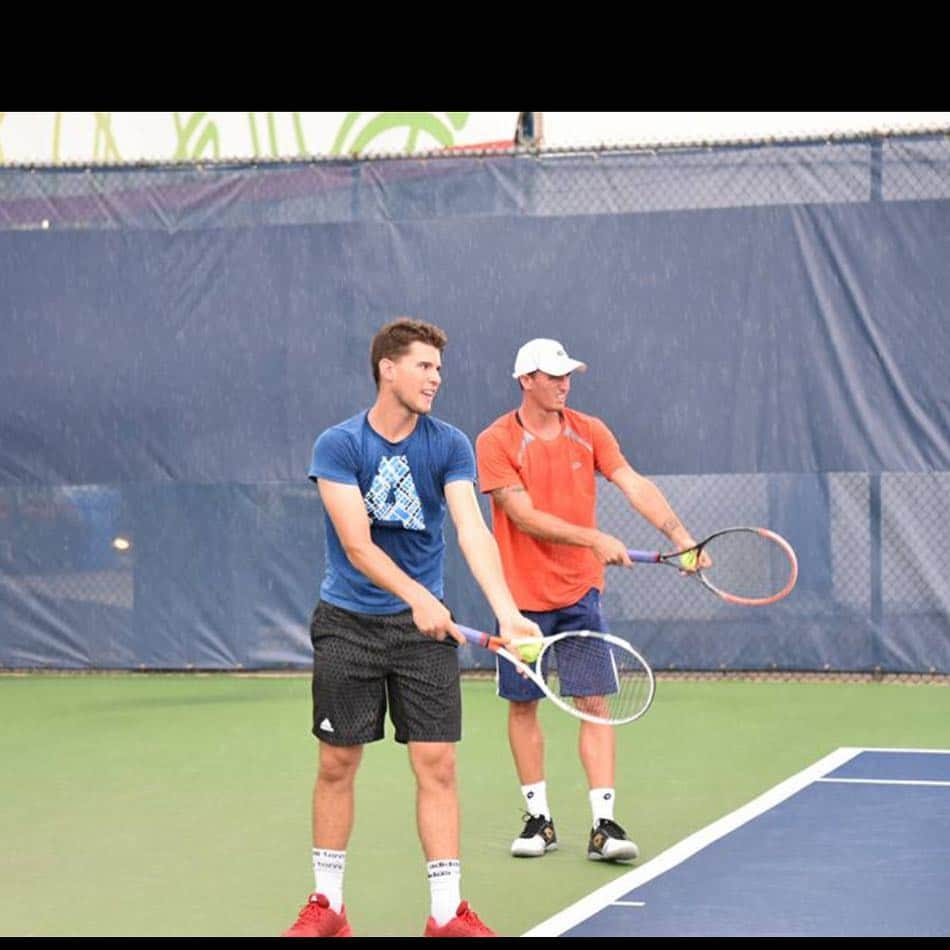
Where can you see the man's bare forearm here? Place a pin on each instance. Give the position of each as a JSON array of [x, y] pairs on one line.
[[649, 502], [373, 562], [547, 527], [480, 551]]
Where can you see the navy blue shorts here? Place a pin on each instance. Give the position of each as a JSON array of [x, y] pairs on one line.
[[584, 615]]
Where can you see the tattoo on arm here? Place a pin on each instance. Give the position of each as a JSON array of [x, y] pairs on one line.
[[670, 525], [507, 490]]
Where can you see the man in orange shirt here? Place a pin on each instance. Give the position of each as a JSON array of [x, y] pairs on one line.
[[539, 464]]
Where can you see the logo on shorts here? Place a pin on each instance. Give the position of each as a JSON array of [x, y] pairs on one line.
[[393, 497], [326, 725]]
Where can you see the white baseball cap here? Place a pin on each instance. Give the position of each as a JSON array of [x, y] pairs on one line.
[[548, 356]]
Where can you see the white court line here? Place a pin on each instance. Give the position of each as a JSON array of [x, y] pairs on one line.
[[609, 893], [883, 781], [872, 748]]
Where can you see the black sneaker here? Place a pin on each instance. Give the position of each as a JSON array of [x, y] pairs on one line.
[[537, 838], [609, 842]]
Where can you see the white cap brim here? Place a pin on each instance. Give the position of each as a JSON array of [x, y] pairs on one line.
[[553, 366]]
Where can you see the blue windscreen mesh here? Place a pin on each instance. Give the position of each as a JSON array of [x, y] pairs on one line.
[[766, 328]]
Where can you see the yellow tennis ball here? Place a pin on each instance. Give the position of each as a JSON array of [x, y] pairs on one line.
[[529, 650], [688, 560]]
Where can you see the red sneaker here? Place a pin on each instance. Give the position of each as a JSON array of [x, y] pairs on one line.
[[465, 923], [316, 919]]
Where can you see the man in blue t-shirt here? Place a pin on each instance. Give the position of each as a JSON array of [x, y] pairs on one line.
[[381, 634]]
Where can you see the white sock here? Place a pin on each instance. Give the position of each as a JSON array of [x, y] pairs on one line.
[[445, 881], [328, 869], [601, 804], [536, 799]]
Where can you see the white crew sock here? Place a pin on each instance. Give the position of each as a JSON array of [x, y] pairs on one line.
[[536, 799], [445, 881], [601, 804], [328, 867]]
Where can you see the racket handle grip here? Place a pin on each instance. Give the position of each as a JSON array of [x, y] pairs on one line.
[[475, 636], [645, 557]]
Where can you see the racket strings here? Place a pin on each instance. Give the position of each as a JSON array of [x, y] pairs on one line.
[[603, 680], [747, 564]]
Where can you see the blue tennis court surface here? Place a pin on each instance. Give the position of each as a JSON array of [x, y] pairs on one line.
[[858, 844]]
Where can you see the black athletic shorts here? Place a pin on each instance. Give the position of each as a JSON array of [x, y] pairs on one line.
[[364, 662]]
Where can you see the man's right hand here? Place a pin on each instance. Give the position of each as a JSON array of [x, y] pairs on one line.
[[610, 550], [432, 617]]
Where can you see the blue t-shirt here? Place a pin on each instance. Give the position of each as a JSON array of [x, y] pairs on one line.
[[403, 488]]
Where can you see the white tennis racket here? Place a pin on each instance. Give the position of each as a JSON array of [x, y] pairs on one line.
[[591, 675]]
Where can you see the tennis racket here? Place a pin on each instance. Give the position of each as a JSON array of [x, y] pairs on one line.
[[594, 676], [750, 566]]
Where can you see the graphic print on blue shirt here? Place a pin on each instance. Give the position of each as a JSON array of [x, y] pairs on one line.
[[402, 485], [393, 497]]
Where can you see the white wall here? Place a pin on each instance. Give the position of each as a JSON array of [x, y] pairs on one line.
[[565, 129]]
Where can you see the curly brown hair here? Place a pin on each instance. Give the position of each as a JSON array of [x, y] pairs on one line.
[[395, 338]]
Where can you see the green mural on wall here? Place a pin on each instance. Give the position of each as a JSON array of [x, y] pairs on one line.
[[300, 143], [104, 147], [354, 139], [359, 131], [196, 135], [111, 137]]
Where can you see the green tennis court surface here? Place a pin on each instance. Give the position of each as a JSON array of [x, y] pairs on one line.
[[180, 804]]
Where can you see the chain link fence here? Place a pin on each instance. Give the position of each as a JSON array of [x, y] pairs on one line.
[[67, 557], [596, 181], [868, 542], [864, 563]]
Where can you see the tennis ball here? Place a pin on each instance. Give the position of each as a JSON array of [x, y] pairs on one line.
[[688, 560], [528, 650]]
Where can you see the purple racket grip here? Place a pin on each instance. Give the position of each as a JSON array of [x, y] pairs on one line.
[[473, 636], [647, 557]]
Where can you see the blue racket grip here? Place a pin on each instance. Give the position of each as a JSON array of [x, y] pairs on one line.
[[646, 557]]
